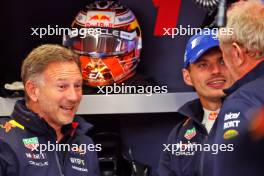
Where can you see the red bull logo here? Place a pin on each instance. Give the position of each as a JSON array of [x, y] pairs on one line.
[[100, 17]]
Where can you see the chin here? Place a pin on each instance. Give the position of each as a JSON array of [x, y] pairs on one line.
[[66, 123], [218, 95], [66, 120]]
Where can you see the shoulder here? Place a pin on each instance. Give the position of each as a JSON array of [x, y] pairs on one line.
[[190, 106], [245, 100], [179, 128], [4, 119], [246, 97], [10, 130], [5, 126], [251, 92]]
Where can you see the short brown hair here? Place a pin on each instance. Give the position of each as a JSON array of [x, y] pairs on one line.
[[39, 58]]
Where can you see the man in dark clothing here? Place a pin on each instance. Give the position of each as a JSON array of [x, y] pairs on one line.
[[42, 136], [204, 69], [243, 53]]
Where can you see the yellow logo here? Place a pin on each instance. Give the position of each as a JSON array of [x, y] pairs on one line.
[[11, 124], [230, 134]]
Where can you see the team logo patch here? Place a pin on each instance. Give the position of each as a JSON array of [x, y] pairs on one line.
[[31, 143], [7, 126], [11, 124], [230, 134], [190, 133]]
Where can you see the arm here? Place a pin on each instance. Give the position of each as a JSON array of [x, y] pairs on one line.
[[165, 163], [8, 165], [233, 122]]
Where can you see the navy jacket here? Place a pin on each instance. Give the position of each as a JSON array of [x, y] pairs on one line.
[[231, 128], [189, 130], [21, 136]]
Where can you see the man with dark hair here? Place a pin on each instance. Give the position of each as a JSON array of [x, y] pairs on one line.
[[204, 70]]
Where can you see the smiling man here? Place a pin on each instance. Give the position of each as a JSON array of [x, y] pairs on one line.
[[204, 69], [53, 89]]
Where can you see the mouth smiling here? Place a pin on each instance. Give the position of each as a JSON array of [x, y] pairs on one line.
[[68, 109], [216, 83]]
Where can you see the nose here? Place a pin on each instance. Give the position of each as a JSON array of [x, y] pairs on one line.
[[73, 94], [215, 68]]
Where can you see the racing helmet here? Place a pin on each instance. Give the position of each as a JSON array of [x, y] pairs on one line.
[[108, 39]]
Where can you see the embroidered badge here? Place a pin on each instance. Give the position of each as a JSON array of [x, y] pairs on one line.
[[11, 124], [230, 134], [7, 126], [190, 133], [212, 115], [31, 143]]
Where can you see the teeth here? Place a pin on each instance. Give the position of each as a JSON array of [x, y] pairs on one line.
[[217, 82], [67, 108]]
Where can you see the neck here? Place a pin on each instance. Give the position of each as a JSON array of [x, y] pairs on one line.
[[34, 108], [211, 105], [58, 133], [248, 67]]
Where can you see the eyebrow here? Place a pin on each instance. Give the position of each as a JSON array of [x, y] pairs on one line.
[[200, 60], [63, 79]]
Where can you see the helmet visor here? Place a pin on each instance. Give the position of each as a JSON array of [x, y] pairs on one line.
[[100, 45]]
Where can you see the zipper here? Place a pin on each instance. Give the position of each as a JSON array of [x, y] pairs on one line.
[[66, 153], [202, 158], [58, 164], [57, 159]]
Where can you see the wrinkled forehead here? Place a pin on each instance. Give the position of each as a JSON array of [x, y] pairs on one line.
[[62, 70]]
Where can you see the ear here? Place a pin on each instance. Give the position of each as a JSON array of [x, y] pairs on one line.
[[239, 56], [186, 77], [32, 90]]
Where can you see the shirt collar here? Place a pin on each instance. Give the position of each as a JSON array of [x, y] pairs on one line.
[[250, 76]]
